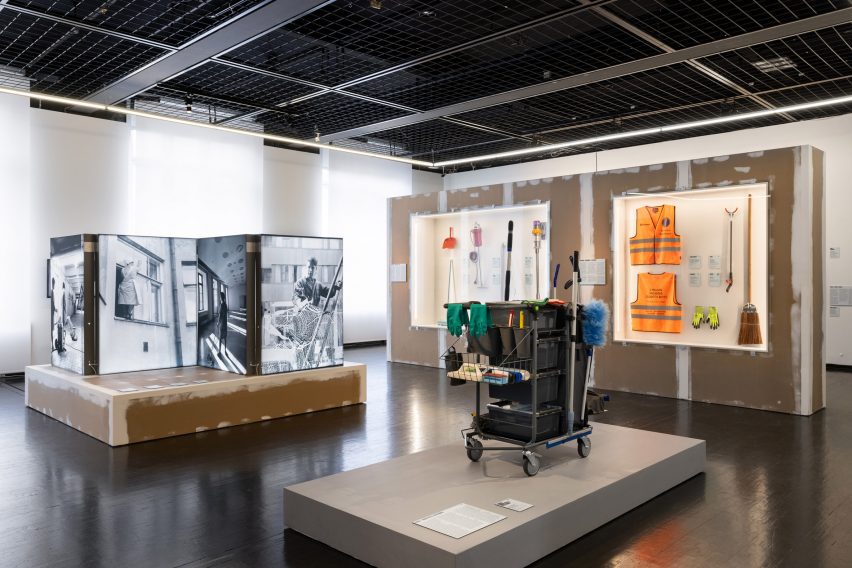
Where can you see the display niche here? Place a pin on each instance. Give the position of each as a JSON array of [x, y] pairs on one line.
[[685, 263], [462, 256]]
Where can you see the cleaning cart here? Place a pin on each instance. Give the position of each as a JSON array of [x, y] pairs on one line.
[[536, 366]]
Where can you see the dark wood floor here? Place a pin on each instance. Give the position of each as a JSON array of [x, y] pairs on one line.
[[777, 491]]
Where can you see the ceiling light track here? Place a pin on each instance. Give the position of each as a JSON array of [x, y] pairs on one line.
[[484, 158], [646, 131]]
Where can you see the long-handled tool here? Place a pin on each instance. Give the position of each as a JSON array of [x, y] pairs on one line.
[[508, 262], [449, 244], [574, 314], [475, 256], [749, 319], [730, 279], [536, 231], [555, 279]]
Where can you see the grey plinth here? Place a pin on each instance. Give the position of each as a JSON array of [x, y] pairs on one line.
[[369, 512]]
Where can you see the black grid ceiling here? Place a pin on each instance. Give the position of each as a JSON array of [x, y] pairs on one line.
[[312, 116], [410, 53], [64, 60], [421, 140], [568, 46], [815, 56], [173, 103], [632, 94], [686, 23], [173, 22], [238, 84], [348, 39]]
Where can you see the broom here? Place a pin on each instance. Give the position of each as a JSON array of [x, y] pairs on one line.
[[749, 319]]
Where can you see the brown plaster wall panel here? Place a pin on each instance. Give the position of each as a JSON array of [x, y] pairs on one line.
[[818, 255], [630, 367], [475, 197], [646, 369], [408, 345], [768, 380], [170, 415], [564, 230]]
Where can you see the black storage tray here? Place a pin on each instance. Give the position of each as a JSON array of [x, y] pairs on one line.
[[514, 420], [548, 390], [547, 315]]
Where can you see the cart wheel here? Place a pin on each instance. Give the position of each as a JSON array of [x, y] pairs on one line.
[[531, 465], [474, 452], [584, 447]]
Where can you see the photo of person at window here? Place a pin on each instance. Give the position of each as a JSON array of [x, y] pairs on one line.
[[223, 323], [129, 295], [309, 291]]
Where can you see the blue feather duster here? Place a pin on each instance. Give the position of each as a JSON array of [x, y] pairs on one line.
[[595, 323]]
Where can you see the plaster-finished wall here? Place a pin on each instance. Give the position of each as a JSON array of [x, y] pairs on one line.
[[832, 135], [789, 378]]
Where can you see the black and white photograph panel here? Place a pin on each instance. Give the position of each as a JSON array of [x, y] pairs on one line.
[[222, 303], [66, 302], [302, 301], [146, 302]]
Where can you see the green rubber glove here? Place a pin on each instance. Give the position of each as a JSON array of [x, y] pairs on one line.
[[698, 317], [480, 319], [713, 317], [456, 318]]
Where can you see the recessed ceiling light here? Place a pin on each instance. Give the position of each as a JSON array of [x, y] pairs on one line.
[[774, 64]]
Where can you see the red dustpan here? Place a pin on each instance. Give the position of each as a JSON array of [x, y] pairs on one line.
[[449, 242]]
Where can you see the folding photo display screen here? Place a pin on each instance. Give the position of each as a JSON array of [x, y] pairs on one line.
[[686, 262], [67, 292], [223, 302], [301, 295], [147, 303]]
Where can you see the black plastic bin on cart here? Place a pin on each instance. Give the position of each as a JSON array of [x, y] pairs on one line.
[[514, 420]]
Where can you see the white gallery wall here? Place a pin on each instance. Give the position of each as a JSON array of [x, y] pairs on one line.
[[14, 231], [357, 193], [189, 182], [64, 174], [832, 135], [74, 174]]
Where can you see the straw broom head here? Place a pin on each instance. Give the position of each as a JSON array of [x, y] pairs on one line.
[[749, 326]]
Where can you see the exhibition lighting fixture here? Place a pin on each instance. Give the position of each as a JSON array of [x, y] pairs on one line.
[[473, 159], [635, 133], [272, 137]]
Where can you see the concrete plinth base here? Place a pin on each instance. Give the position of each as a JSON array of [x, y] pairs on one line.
[[134, 407], [369, 512]]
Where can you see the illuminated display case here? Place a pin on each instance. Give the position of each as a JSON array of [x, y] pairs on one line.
[[461, 256], [710, 247]]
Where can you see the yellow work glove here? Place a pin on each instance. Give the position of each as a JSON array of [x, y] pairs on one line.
[[713, 317], [698, 317]]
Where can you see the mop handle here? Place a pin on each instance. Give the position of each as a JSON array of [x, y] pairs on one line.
[[555, 278], [508, 262], [748, 249]]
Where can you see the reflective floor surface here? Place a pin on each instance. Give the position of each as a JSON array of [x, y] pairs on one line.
[[777, 490]]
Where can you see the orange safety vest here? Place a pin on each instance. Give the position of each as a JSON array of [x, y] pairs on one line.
[[656, 307], [655, 241]]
